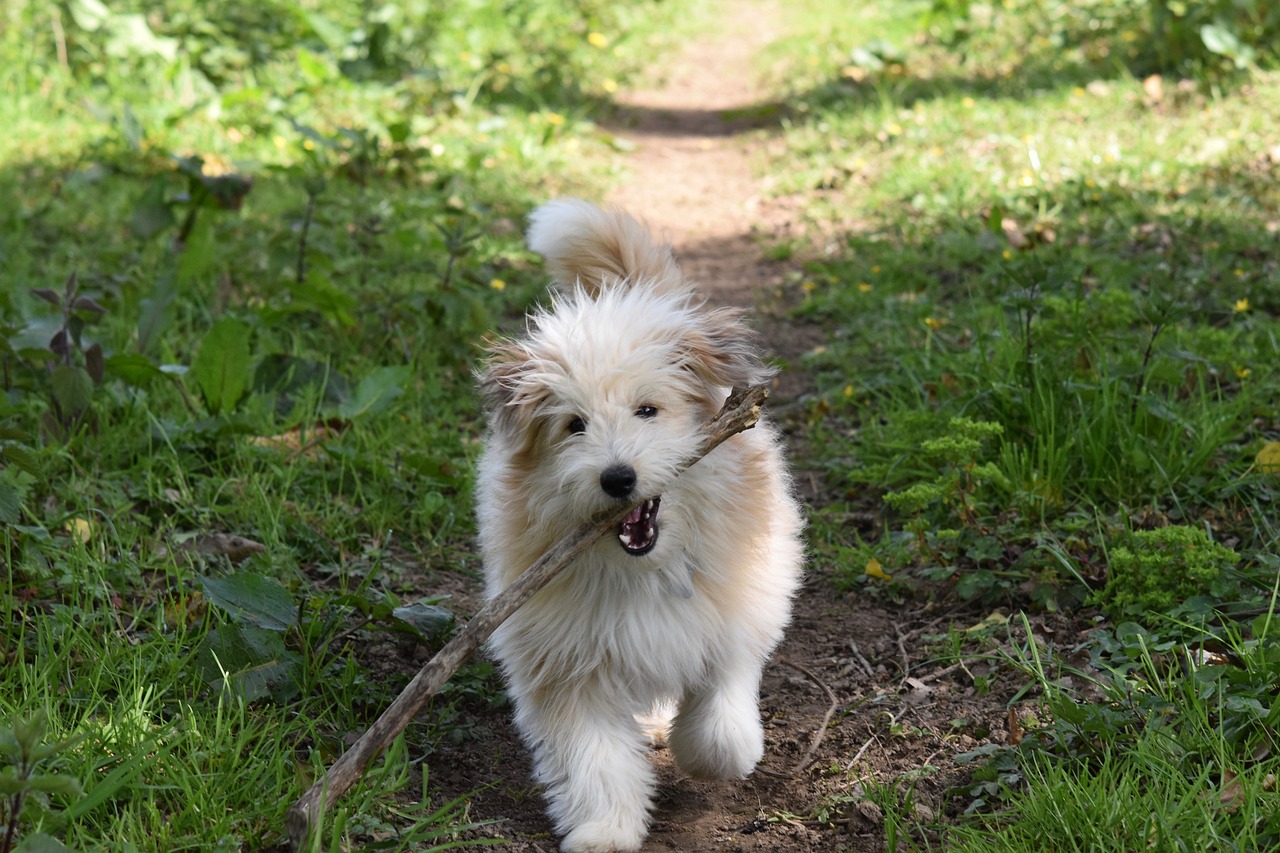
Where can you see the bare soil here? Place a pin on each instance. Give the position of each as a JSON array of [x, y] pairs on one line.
[[851, 700]]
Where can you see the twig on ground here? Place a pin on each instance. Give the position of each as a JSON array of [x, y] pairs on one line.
[[808, 757], [866, 664], [902, 651], [946, 670], [740, 412], [858, 754]]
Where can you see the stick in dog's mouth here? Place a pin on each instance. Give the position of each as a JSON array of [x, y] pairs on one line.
[[638, 532]]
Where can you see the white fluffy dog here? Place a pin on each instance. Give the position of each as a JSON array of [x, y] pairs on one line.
[[591, 408]]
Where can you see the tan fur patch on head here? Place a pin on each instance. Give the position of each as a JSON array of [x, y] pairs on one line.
[[508, 380]]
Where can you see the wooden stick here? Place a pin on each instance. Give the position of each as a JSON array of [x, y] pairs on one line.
[[741, 412]]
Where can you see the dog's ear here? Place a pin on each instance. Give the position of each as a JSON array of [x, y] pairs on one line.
[[509, 382], [724, 352]]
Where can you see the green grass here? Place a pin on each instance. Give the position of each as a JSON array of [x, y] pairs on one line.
[[1051, 289], [269, 238]]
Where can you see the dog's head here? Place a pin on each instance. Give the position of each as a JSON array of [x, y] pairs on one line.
[[600, 399]]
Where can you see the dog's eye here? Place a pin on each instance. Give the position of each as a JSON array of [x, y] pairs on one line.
[[576, 426], [647, 412]]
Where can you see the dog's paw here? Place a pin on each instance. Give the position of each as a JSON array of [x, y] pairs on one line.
[[602, 837], [717, 748]]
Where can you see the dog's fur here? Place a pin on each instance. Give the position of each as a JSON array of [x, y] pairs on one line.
[[591, 408]]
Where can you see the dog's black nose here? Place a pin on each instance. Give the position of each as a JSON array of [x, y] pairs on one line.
[[618, 481]]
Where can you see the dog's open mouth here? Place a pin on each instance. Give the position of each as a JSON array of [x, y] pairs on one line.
[[638, 532]]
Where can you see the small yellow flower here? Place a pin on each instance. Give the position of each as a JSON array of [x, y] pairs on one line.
[[597, 39], [1238, 272], [609, 85], [894, 129], [555, 119], [875, 270], [968, 102], [864, 287], [1241, 306], [934, 323], [503, 67], [279, 141], [1007, 255], [848, 391], [1078, 91], [808, 285], [1243, 372], [498, 284]]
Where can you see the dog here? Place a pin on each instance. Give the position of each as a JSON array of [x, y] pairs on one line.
[[675, 615]]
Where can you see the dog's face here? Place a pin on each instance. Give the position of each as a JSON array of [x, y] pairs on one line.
[[601, 399]]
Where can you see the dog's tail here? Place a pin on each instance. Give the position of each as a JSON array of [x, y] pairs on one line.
[[594, 248]]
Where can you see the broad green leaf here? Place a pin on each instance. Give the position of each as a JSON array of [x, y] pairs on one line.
[[375, 392], [221, 366], [57, 783], [198, 252], [135, 369], [10, 503], [38, 842], [251, 663], [152, 213], [72, 389], [94, 363], [22, 458], [253, 598], [1220, 40], [89, 14], [428, 619], [10, 784], [130, 34], [287, 375]]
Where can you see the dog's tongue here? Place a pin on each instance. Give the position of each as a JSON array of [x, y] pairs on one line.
[[639, 530]]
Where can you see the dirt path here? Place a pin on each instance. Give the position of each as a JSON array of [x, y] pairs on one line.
[[853, 663], [693, 174]]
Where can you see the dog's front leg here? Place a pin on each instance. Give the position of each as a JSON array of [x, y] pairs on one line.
[[717, 733], [593, 761]]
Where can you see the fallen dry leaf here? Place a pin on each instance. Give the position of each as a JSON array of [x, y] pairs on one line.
[[303, 440], [875, 570], [1233, 794], [1268, 458], [234, 548], [1015, 728], [994, 620], [80, 529]]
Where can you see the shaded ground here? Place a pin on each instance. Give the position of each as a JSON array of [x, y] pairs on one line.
[[852, 663]]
